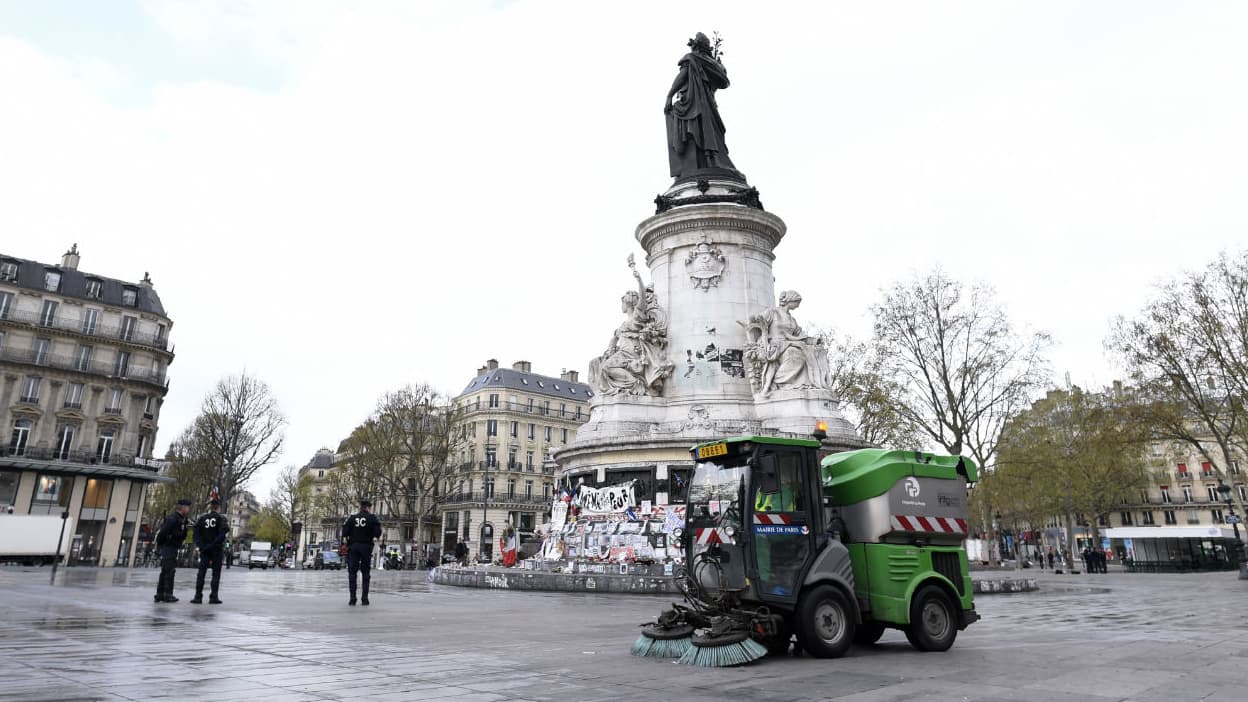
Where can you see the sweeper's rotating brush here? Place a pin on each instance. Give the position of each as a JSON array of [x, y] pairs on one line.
[[663, 642], [718, 650]]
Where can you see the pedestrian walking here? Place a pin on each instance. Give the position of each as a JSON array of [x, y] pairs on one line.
[[210, 532], [168, 540], [359, 531], [1051, 558]]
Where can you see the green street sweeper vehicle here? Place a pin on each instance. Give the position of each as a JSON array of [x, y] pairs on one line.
[[780, 545]]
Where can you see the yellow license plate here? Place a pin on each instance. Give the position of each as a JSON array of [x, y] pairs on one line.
[[712, 450]]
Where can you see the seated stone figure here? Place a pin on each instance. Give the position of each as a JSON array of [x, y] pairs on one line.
[[635, 362], [780, 355]]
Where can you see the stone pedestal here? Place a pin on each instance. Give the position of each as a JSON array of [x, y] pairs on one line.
[[710, 252]]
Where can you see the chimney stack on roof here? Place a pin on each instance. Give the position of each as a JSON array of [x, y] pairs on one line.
[[522, 366], [569, 375], [70, 260], [492, 364]]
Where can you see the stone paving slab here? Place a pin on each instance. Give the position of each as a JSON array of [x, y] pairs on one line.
[[96, 635]]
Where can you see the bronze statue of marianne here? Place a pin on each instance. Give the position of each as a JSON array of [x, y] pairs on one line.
[[695, 131]]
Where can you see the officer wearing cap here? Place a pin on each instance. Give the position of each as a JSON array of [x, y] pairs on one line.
[[210, 532], [169, 539], [359, 531]]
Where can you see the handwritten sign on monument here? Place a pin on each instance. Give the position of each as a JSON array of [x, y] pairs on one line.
[[607, 500]]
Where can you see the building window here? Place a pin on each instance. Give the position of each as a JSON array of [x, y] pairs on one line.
[[127, 328], [30, 392], [8, 271], [467, 522], [532, 431], [51, 280], [42, 347], [93, 288], [563, 436], [511, 488], [494, 400], [545, 491], [563, 409], [140, 451], [547, 433], [1126, 518], [528, 489], [1242, 490], [529, 406], [1218, 517], [1165, 495], [1170, 518], [1206, 468], [1213, 492], [1187, 493], [489, 488], [8, 487], [90, 318], [578, 411], [1193, 517], [149, 411], [491, 427], [64, 441], [1182, 468], [515, 429], [545, 407], [1234, 467], [73, 396], [20, 437], [528, 461], [130, 297], [114, 401], [1146, 518], [6, 303], [491, 458], [48, 316], [51, 491], [104, 447], [511, 460], [83, 361]]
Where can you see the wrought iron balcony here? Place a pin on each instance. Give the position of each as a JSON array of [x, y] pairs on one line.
[[33, 453], [32, 357], [111, 332], [1184, 476]]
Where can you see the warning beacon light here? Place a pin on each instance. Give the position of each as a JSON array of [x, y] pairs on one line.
[[821, 430]]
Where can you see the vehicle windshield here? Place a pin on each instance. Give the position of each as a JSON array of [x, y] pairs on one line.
[[329, 556], [715, 492]]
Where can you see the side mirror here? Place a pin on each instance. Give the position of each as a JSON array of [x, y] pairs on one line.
[[768, 473]]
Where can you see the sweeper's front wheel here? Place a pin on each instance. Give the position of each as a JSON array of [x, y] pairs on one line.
[[932, 624], [825, 622]]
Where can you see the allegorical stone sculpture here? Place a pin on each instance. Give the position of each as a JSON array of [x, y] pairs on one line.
[[695, 131], [705, 266], [778, 355], [635, 362]]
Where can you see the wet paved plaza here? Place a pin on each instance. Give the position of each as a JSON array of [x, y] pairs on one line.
[[289, 635]]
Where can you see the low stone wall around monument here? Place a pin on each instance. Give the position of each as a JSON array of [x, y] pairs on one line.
[[495, 578]]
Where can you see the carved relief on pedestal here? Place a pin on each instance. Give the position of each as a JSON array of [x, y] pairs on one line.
[[635, 362], [705, 266], [778, 355]]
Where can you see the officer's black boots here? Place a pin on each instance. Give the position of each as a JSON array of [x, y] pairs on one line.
[[364, 600], [199, 598], [212, 599], [351, 601]]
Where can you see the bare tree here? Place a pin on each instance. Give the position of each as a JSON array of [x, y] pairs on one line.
[[955, 364], [1187, 354], [192, 473], [292, 497], [239, 430], [868, 395], [405, 449]]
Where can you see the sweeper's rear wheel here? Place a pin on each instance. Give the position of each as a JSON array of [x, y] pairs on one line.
[[825, 622], [932, 624]]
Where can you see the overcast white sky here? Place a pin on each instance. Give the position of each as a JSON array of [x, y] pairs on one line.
[[342, 198]]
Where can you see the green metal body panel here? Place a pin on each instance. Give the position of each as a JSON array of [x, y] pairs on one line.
[[886, 576], [854, 476]]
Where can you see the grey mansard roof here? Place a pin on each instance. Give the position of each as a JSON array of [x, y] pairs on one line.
[[509, 379], [74, 284]]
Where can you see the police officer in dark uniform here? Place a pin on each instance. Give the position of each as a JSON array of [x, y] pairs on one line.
[[169, 539], [210, 532], [359, 531]]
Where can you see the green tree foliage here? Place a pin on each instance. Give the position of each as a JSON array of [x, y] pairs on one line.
[[269, 524], [1072, 453], [869, 395], [1187, 354]]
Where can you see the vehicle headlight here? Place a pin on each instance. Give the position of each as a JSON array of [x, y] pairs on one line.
[[730, 531], [678, 532]]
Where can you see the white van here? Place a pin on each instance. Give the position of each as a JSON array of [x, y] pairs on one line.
[[258, 555]]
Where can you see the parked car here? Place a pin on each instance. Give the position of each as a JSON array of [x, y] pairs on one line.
[[327, 559]]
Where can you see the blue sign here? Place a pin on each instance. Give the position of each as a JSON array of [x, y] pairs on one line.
[[781, 529]]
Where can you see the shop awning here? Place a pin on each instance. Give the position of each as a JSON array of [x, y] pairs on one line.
[[1169, 532]]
